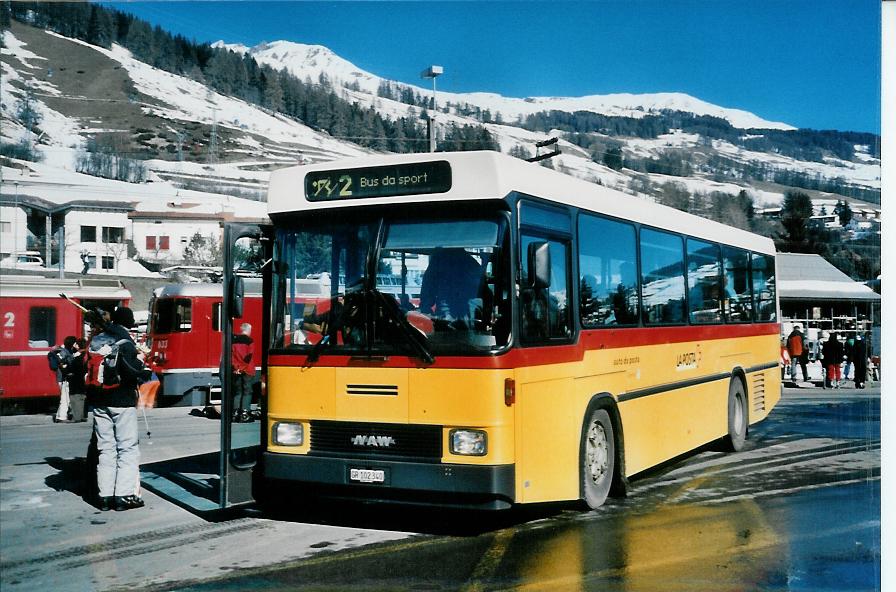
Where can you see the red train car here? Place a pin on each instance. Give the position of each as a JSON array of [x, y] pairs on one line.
[[184, 335], [35, 318]]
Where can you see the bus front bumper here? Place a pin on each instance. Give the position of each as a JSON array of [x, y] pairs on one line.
[[480, 486]]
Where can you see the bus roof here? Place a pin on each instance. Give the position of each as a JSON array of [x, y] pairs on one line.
[[479, 175], [40, 287]]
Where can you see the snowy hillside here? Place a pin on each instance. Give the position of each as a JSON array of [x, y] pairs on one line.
[[314, 60], [175, 117]]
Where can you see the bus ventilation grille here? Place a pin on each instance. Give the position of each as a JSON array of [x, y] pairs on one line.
[[377, 440], [759, 392]]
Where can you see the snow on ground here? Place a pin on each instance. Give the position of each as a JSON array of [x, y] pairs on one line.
[[867, 173]]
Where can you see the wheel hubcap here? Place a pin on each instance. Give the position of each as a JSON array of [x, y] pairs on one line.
[[739, 414], [597, 452]]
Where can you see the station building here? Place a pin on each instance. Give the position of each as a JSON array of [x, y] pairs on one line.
[[822, 299]]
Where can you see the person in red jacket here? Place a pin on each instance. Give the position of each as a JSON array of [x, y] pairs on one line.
[[242, 375]]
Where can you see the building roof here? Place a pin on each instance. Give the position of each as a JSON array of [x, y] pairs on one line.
[[810, 277]]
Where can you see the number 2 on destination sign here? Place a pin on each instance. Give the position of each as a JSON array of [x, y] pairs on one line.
[[347, 183]]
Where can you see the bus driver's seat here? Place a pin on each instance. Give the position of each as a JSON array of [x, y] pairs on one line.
[[449, 284]]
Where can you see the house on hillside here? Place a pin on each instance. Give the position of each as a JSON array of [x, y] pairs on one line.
[[162, 232]]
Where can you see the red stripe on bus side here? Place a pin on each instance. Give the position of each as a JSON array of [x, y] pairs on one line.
[[593, 339]]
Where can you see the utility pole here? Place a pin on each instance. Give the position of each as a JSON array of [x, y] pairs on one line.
[[432, 72]]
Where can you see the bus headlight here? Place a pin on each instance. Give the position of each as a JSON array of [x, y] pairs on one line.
[[288, 434], [468, 442]]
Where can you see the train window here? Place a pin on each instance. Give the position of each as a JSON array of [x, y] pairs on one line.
[[41, 326], [216, 316], [662, 278], [173, 315]]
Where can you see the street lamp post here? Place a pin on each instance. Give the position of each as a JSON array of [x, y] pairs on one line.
[[432, 72]]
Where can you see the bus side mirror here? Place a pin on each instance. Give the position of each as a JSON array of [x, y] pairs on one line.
[[236, 297], [539, 260]]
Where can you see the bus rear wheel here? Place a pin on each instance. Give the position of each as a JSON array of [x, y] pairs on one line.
[[598, 456], [737, 416]]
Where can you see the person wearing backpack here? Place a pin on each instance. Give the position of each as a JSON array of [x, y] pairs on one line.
[[60, 359], [114, 372]]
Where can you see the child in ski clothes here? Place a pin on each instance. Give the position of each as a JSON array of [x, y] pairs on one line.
[[832, 356], [115, 417]]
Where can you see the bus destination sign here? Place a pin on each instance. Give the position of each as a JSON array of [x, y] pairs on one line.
[[381, 181]]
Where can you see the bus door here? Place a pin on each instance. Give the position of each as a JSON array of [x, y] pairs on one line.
[[247, 253]]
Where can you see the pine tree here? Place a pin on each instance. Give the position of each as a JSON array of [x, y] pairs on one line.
[[795, 214]]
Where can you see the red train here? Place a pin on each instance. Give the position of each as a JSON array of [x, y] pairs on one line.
[[35, 318], [184, 335]]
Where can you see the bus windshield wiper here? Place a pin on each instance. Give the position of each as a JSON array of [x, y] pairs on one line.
[[415, 338], [318, 347]]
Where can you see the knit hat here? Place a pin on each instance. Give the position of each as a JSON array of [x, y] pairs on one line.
[[123, 316]]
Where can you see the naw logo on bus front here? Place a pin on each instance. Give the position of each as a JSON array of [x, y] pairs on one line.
[[373, 441]]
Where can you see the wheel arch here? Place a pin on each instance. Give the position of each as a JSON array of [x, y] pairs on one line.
[[607, 402]]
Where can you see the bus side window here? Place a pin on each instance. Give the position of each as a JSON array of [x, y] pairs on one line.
[[608, 283], [737, 295], [662, 277], [763, 274], [41, 326], [704, 282], [545, 311]]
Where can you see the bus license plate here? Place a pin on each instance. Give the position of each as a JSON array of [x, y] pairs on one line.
[[367, 475]]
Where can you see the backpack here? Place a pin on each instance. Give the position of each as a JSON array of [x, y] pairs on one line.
[[104, 366], [53, 360]]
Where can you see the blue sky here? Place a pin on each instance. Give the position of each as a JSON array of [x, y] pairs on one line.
[[810, 63]]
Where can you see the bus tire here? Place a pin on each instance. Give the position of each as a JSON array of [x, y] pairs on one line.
[[598, 455], [737, 416]]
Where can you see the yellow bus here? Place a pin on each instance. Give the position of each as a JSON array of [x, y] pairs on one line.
[[496, 333]]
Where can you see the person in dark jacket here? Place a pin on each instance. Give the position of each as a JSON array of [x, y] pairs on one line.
[[60, 359], [832, 357], [115, 417], [76, 388], [242, 374]]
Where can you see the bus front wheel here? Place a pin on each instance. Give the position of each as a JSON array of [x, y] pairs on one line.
[[598, 458], [737, 416]]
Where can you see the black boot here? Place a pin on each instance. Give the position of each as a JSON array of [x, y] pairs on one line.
[[128, 502], [106, 503]]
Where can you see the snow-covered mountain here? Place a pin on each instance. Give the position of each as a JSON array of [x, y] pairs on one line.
[[173, 118], [315, 60]]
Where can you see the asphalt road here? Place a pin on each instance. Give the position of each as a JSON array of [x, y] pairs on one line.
[[798, 509]]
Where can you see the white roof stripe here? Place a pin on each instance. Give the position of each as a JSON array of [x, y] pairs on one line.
[[491, 175]]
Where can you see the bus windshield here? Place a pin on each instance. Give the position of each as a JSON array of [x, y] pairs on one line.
[[392, 285]]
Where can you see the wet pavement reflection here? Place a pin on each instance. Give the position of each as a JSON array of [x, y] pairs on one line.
[[798, 510]]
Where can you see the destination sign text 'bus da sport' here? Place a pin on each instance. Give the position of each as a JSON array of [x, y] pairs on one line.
[[380, 181]]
